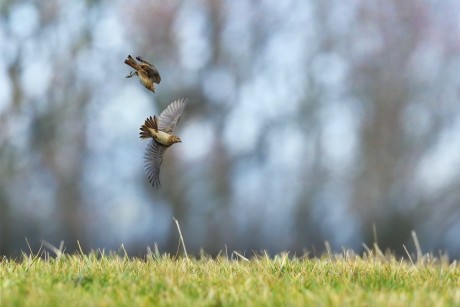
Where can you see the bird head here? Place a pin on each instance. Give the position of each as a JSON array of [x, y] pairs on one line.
[[176, 139]]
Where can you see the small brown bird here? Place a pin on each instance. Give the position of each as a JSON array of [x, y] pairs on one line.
[[147, 73], [161, 131]]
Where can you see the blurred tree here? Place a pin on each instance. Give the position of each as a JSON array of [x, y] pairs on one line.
[[318, 119], [44, 148], [392, 145], [376, 45]]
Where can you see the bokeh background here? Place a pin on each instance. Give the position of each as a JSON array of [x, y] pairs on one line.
[[309, 121]]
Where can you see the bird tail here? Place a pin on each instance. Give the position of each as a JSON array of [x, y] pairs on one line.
[[150, 123], [131, 62]]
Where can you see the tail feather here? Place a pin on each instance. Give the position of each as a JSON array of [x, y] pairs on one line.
[[131, 62], [150, 123]]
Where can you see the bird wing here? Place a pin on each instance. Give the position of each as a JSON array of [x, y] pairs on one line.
[[140, 59], [151, 70], [143, 73], [170, 116], [153, 158]]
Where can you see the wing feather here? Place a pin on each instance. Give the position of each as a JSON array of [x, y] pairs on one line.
[[151, 70], [170, 116], [153, 158]]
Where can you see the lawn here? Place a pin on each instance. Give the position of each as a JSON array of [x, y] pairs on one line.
[[99, 279]]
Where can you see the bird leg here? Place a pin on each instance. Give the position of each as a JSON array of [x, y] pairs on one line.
[[131, 74]]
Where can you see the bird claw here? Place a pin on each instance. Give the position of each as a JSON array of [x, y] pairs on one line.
[[130, 74]]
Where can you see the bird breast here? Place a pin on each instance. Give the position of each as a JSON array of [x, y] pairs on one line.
[[145, 81], [162, 138]]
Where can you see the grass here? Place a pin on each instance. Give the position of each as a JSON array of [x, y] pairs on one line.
[[99, 279]]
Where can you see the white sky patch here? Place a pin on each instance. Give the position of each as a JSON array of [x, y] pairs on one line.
[[36, 78], [285, 50], [366, 41], [115, 155], [247, 193], [279, 69], [286, 147], [342, 16], [338, 138], [68, 28], [219, 86], [282, 7], [264, 100], [73, 17], [191, 32], [109, 32], [330, 69], [257, 98], [261, 100], [425, 62], [118, 116], [5, 89], [440, 166], [96, 72], [242, 130], [196, 137], [301, 16], [273, 92], [9, 47], [238, 21], [23, 20]]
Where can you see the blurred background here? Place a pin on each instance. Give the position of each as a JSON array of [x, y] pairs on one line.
[[309, 121]]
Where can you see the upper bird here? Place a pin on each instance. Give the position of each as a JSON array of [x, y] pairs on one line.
[[161, 130], [147, 73]]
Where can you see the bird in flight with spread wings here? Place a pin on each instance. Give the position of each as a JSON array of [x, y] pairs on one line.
[[147, 73], [161, 130]]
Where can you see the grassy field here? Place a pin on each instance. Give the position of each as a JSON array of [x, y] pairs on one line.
[[97, 279]]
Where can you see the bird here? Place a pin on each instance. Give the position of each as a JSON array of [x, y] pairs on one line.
[[147, 73], [160, 129]]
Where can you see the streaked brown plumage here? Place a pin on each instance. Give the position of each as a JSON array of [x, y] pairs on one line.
[[147, 73], [161, 131]]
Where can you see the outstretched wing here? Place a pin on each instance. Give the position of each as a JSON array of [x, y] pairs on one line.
[[153, 158], [170, 116]]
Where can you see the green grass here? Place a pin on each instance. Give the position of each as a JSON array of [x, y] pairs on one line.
[[344, 279]]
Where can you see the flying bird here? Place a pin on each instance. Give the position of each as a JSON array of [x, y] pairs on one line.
[[147, 73], [161, 130]]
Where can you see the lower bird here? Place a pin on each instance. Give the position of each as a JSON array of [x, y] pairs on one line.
[[160, 129], [147, 73]]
